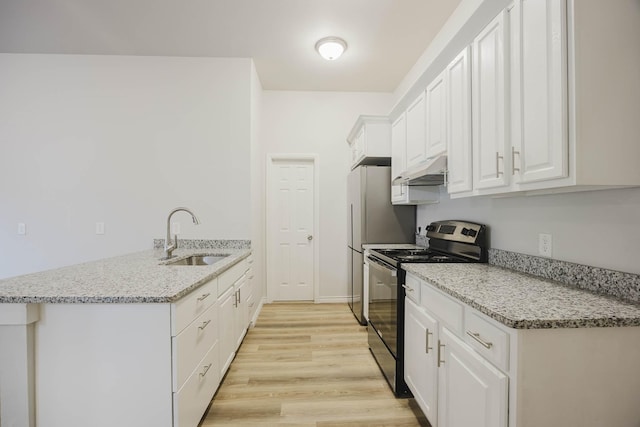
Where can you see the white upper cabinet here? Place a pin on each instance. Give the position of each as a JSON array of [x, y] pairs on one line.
[[416, 147], [538, 76], [554, 100], [436, 122], [370, 141], [398, 157], [458, 120], [403, 194], [490, 160]]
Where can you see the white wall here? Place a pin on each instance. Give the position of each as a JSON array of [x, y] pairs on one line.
[[120, 140], [257, 189], [318, 122], [597, 228]]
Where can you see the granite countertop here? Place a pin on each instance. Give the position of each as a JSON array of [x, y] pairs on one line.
[[134, 278], [523, 301]]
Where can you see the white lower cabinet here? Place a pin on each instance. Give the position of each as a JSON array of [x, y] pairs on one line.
[[138, 364], [192, 400], [421, 363], [453, 384], [233, 314], [466, 369], [227, 335], [471, 391], [204, 349], [241, 311]]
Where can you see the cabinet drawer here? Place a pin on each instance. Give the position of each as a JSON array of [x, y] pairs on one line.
[[192, 305], [191, 345], [412, 288], [229, 277], [443, 306], [487, 339], [190, 403]]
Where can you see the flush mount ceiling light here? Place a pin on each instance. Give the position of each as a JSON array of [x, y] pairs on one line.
[[330, 48]]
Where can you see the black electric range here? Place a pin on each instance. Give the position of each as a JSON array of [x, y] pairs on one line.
[[449, 242]]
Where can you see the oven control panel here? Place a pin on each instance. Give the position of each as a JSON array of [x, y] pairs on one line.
[[458, 231]]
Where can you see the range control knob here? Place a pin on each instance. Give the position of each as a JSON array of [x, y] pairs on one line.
[[472, 233], [465, 231], [431, 228]]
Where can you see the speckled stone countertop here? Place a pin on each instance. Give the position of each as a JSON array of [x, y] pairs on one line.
[[522, 301], [134, 278]]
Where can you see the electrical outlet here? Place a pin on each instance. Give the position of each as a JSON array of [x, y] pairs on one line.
[[545, 244], [99, 227], [22, 228]]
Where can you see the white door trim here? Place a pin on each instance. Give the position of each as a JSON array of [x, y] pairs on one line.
[[271, 157]]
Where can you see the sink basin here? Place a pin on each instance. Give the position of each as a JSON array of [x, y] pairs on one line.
[[199, 260]]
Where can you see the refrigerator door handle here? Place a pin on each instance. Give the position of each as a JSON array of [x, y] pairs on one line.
[[351, 228]]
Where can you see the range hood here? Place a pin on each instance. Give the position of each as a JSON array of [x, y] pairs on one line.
[[430, 172]]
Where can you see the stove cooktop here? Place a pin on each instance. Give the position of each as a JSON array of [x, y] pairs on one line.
[[418, 255]]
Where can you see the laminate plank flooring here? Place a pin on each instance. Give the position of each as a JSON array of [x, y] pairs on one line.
[[308, 365]]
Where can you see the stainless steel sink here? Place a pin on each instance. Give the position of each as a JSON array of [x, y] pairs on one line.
[[198, 260]]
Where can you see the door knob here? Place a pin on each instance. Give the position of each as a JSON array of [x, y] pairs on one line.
[[309, 237]]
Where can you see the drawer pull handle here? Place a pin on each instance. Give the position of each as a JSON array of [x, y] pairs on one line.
[[476, 336], [427, 348], [440, 347], [205, 370], [407, 288], [204, 324], [204, 296]]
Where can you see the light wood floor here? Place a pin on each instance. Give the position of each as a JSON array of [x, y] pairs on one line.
[[308, 365]]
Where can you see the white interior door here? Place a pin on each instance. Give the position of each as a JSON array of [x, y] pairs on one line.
[[290, 227]]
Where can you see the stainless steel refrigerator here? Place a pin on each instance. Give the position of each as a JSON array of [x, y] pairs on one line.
[[372, 219]]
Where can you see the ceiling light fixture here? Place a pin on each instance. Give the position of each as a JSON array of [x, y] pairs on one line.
[[330, 48]]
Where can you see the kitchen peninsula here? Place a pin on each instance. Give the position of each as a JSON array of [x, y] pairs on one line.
[[126, 341]]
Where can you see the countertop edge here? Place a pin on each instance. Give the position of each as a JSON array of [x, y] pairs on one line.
[[613, 321], [160, 299]]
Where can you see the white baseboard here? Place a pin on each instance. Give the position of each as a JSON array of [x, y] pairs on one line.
[[324, 300], [254, 319]]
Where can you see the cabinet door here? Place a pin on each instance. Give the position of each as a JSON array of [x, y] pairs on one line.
[[226, 334], [398, 157], [436, 121], [420, 358], [241, 313], [458, 77], [488, 102], [538, 71], [359, 145], [471, 391], [416, 146]]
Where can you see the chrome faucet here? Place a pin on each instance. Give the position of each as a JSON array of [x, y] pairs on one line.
[[168, 246]]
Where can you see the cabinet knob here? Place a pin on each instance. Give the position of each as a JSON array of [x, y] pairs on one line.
[[309, 237]]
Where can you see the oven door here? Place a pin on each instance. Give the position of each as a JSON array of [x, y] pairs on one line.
[[383, 301]]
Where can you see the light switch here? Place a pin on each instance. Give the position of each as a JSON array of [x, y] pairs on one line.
[[99, 227], [22, 228]]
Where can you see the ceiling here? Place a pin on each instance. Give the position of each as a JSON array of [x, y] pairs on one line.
[[384, 37]]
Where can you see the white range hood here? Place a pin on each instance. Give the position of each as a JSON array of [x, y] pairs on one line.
[[430, 172]]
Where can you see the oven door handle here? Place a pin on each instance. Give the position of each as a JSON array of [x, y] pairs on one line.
[[381, 265]]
